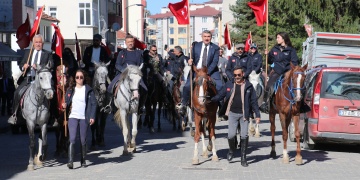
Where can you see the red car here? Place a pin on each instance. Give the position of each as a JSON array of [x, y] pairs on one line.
[[333, 93]]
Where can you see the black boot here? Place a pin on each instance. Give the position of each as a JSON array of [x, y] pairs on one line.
[[232, 148], [83, 155], [244, 146], [304, 108], [70, 164], [264, 107]]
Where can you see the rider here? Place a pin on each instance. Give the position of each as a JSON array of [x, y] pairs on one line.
[[222, 64], [39, 56], [94, 53], [255, 58], [281, 55], [204, 54], [175, 66], [240, 58]]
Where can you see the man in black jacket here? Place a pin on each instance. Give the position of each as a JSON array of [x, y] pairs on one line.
[[255, 58], [238, 58], [175, 66]]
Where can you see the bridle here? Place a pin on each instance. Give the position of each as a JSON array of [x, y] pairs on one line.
[[205, 96]]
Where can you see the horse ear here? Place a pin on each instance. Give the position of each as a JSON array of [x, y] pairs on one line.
[[96, 64], [141, 66], [305, 67], [49, 65], [107, 64]]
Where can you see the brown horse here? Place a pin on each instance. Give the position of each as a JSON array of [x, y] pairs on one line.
[[286, 103], [204, 90]]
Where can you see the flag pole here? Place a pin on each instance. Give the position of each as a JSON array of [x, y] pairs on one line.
[[190, 53], [37, 28], [267, 38], [63, 91]]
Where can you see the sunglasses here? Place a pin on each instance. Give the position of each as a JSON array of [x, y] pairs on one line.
[[236, 75], [240, 48], [79, 77]]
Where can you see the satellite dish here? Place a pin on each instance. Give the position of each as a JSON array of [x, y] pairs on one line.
[[115, 26]]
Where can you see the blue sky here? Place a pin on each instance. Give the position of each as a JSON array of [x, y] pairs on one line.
[[154, 6]]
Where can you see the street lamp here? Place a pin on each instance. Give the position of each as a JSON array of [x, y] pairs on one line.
[[127, 14]]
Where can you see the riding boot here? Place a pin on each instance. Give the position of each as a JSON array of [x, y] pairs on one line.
[[70, 164], [244, 146], [44, 152], [83, 155], [232, 148], [304, 108], [264, 107]]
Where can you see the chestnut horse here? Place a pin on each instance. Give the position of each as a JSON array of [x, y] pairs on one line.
[[203, 91], [286, 102]]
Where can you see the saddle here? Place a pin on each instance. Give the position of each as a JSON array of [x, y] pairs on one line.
[[22, 94]]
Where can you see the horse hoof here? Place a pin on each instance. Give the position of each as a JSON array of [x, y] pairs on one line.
[[286, 159], [205, 155], [257, 135], [37, 161], [30, 167], [125, 153], [209, 147], [132, 145], [134, 150], [195, 161], [298, 160], [183, 127], [273, 154], [192, 133], [215, 158]]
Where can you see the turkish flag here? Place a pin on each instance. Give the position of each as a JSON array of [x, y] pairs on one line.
[[227, 37], [259, 8], [308, 29], [22, 34], [108, 51], [36, 22], [181, 11], [58, 41], [77, 47], [248, 42], [139, 45]]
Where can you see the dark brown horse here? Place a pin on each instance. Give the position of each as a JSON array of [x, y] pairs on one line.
[[286, 103], [203, 91]]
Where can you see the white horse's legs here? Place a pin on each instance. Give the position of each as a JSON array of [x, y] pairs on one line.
[[30, 127], [134, 132], [125, 131], [204, 149], [37, 160], [214, 156], [195, 159]]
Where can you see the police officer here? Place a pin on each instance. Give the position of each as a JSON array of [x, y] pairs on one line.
[[175, 66], [238, 58]]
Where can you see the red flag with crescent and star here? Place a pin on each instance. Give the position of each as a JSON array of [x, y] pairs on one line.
[[259, 9], [248, 42], [180, 10], [227, 37], [22, 34], [36, 22], [58, 41]]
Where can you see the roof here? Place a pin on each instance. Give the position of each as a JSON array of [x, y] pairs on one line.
[[7, 54], [50, 18], [205, 11], [214, 2]]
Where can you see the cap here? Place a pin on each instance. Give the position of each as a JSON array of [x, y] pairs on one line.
[[253, 45], [240, 45], [97, 36]]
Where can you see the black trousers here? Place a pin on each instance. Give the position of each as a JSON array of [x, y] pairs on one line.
[[272, 79]]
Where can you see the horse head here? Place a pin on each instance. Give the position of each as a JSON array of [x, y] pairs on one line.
[[134, 77], [43, 80], [297, 75], [100, 77], [203, 89]]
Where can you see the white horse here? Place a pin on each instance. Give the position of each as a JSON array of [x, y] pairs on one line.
[[255, 80], [127, 102], [36, 111]]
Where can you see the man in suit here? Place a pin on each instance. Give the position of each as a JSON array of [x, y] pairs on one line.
[[38, 56], [94, 53], [204, 54]]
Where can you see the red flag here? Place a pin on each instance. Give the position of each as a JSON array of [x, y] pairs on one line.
[[248, 42], [259, 8], [108, 51], [139, 45], [36, 22], [22, 34], [180, 10], [58, 41], [308, 29], [227, 37], [77, 47]]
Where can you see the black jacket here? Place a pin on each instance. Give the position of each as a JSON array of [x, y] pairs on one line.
[[256, 62], [282, 59], [250, 99], [91, 105], [240, 60], [45, 58], [104, 57], [176, 64]]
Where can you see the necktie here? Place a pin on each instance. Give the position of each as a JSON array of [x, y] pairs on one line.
[[36, 57], [204, 56]]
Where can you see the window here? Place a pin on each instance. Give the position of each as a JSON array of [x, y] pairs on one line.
[[171, 31], [85, 14], [52, 11], [47, 33], [182, 41], [203, 29], [171, 41], [171, 20], [182, 30], [184, 52], [29, 3], [204, 19]]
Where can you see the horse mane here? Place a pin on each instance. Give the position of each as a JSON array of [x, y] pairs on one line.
[[129, 70], [288, 74]]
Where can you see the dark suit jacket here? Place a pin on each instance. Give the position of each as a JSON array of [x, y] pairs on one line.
[[212, 58], [104, 57], [45, 57]]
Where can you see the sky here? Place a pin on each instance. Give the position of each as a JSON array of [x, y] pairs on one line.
[[154, 6]]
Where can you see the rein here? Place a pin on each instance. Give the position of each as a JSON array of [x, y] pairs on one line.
[[291, 89]]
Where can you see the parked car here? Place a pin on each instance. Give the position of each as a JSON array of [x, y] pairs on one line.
[[333, 93]]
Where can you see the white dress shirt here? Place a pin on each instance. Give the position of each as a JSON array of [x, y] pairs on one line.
[[32, 71], [199, 64]]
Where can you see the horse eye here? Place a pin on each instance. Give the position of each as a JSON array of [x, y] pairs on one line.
[[40, 77]]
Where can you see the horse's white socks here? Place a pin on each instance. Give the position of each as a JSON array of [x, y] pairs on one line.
[[203, 142], [196, 150], [213, 146], [40, 148], [285, 153], [298, 91]]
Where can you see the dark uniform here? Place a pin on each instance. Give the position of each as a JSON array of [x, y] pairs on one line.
[[89, 66], [238, 60], [176, 67], [256, 62]]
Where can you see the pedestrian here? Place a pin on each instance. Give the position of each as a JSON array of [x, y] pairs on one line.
[[222, 64], [239, 103], [81, 104], [238, 58]]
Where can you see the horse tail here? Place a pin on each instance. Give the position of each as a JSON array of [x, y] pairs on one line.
[[117, 118]]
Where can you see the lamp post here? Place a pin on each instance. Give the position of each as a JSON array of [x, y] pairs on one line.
[[127, 14]]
